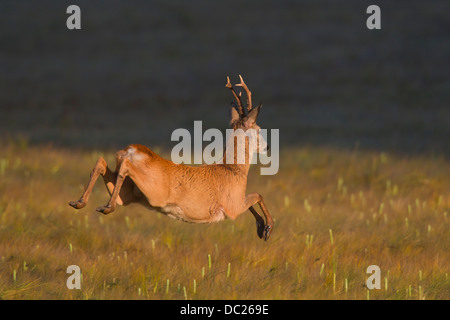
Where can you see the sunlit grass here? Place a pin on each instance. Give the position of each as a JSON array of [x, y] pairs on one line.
[[336, 213]]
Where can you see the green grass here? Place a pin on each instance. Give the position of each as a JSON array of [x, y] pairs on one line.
[[335, 213]]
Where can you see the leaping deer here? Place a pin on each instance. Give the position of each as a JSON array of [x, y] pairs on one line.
[[203, 194]]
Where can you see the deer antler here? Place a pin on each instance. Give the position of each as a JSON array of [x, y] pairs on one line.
[[238, 98], [249, 93]]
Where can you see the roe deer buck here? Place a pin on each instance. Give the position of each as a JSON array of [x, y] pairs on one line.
[[201, 194]]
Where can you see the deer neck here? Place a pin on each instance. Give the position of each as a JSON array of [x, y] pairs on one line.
[[238, 153]]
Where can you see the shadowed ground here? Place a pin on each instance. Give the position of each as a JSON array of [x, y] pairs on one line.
[[138, 70]]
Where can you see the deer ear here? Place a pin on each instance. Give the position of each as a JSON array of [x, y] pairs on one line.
[[234, 114], [250, 119]]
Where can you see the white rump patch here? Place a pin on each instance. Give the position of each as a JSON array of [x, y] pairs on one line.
[[133, 155]]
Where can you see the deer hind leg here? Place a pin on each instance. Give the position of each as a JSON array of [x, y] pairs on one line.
[[100, 168], [118, 195], [126, 194], [263, 230]]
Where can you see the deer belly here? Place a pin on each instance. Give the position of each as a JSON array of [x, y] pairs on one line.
[[176, 212]]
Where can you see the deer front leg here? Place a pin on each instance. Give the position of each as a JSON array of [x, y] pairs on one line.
[[265, 231], [259, 222], [121, 175], [100, 168]]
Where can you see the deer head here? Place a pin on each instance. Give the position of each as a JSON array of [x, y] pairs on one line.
[[246, 120]]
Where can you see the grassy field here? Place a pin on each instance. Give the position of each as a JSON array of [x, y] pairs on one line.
[[335, 214]]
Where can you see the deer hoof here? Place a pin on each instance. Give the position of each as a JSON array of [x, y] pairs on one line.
[[77, 204], [267, 231], [105, 209]]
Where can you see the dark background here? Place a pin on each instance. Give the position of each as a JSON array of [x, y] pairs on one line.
[[137, 70]]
